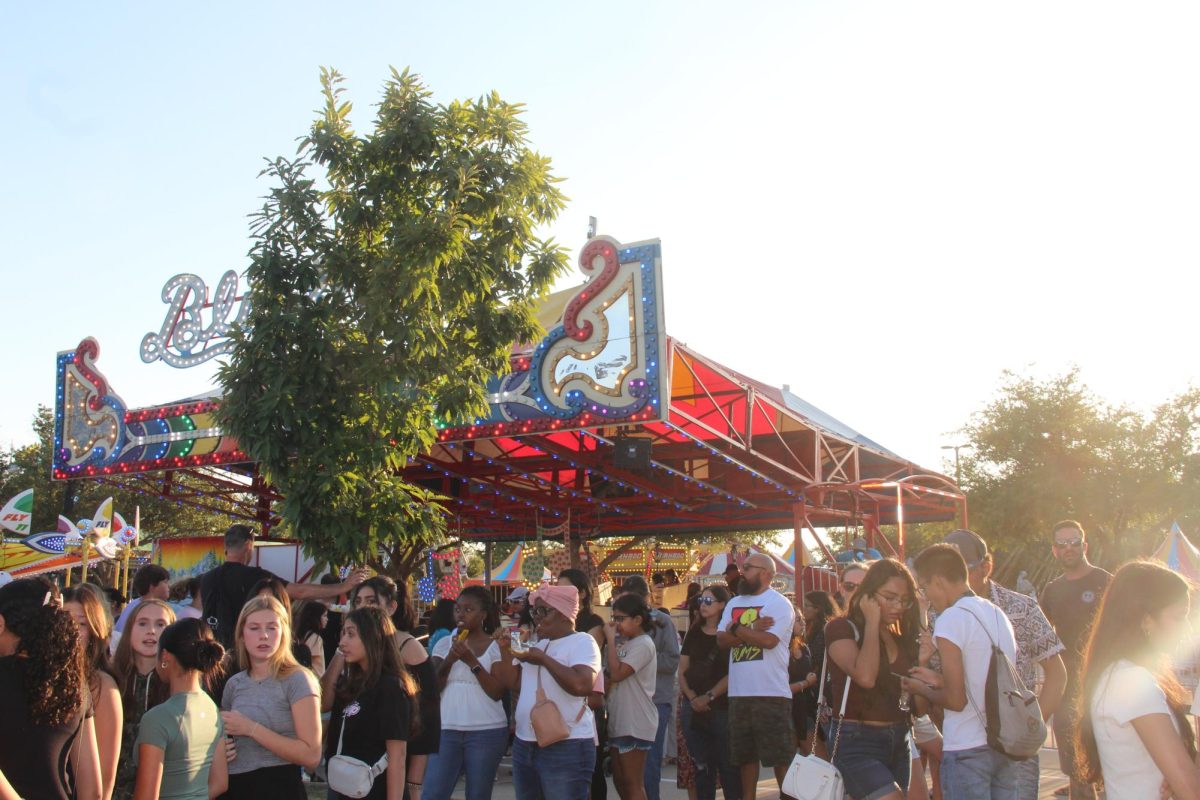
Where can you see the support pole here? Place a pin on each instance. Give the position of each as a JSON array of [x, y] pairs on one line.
[[900, 520], [84, 560], [487, 564]]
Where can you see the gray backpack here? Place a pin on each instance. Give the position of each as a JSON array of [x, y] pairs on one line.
[[1013, 720]]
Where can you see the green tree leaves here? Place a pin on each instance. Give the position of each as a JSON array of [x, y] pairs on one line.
[[387, 296]]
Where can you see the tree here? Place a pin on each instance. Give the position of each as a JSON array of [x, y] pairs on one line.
[[1047, 450], [29, 468], [383, 298]]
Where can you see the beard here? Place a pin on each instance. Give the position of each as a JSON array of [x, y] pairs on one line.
[[748, 586]]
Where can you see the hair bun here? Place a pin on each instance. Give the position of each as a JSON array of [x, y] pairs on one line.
[[209, 653]]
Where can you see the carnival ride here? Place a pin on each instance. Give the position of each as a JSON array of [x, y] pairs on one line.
[[607, 427]]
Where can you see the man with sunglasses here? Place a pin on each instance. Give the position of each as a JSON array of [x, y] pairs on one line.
[[1070, 602]]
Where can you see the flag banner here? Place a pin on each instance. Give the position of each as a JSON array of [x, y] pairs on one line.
[[18, 513]]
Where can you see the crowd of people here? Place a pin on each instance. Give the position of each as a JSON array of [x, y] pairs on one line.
[[221, 687]]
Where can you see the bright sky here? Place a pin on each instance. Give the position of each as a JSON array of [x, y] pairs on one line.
[[881, 204]]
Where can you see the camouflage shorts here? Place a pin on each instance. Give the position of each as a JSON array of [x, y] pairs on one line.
[[760, 729]]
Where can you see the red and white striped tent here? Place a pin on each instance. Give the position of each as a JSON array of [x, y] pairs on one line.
[[713, 568]]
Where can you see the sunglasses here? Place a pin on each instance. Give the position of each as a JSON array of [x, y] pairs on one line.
[[1069, 543], [850, 586], [707, 600]]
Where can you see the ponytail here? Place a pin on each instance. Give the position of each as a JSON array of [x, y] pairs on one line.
[[191, 642]]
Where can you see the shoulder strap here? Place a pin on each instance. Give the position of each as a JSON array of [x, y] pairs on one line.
[[821, 697], [966, 686], [378, 767], [541, 694]]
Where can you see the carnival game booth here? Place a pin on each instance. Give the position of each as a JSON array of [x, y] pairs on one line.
[[607, 427]]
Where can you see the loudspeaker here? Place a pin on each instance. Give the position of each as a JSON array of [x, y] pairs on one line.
[[631, 453]]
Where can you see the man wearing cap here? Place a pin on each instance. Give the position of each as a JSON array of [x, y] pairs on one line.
[[563, 665], [732, 576], [1037, 643], [516, 603], [756, 628]]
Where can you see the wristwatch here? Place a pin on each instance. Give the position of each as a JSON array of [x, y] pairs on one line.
[[710, 696], [478, 668]]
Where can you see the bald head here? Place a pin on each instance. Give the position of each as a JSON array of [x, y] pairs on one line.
[[757, 572]]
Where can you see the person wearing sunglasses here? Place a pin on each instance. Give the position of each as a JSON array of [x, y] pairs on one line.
[[873, 643], [1070, 602], [852, 578], [703, 708]]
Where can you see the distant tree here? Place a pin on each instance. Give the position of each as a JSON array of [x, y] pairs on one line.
[[386, 291], [1047, 450]]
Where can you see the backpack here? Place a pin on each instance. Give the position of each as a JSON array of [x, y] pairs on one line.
[[1013, 718], [221, 607]]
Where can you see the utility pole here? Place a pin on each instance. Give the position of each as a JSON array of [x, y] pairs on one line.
[[957, 468]]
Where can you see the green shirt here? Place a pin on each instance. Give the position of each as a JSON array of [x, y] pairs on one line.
[[188, 729]]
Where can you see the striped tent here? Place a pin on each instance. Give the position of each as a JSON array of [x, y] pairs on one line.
[[1179, 554], [509, 570], [789, 555]]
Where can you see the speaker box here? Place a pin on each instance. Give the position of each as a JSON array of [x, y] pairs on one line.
[[631, 453]]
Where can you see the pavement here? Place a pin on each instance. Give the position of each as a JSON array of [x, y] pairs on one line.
[[1052, 778]]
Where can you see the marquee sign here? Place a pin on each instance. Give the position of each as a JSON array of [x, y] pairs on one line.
[[186, 338], [604, 363]]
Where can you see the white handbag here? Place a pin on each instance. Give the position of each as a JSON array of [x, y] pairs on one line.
[[348, 775], [811, 777]]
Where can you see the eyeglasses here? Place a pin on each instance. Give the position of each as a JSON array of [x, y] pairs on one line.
[[537, 612], [892, 600], [1069, 543], [619, 617]]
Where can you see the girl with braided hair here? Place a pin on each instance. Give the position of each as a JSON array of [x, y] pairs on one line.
[[43, 699]]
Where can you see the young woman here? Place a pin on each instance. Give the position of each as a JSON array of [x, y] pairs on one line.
[[43, 698], [588, 621], [874, 642], [563, 663], [271, 708], [373, 702], [704, 714], [817, 608], [86, 606], [180, 745], [309, 619], [274, 587], [1132, 728], [441, 622], [383, 593], [632, 715], [141, 686], [801, 678], [474, 725]]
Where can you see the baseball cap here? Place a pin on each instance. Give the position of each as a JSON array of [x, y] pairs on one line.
[[519, 593], [972, 546]]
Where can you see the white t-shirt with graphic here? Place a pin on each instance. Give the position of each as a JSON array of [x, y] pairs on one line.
[[574, 649], [1125, 692], [754, 672], [963, 625]]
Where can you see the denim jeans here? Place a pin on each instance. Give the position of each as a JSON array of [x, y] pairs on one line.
[[562, 771], [874, 761], [709, 750], [476, 753], [979, 773], [1029, 773], [654, 759]]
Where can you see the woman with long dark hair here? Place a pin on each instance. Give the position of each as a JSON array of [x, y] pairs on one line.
[[141, 686], [632, 669], [43, 698], [474, 725], [875, 641], [309, 619], [704, 707], [87, 606], [180, 744], [816, 609], [382, 592], [373, 702], [1133, 732]]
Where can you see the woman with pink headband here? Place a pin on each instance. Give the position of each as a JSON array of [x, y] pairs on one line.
[[564, 664]]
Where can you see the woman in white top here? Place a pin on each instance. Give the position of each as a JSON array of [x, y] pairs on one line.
[[1132, 733], [632, 715], [474, 725]]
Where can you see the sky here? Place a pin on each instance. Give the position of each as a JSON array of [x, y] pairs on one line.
[[883, 205]]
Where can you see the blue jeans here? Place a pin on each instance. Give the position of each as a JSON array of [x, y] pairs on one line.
[[562, 771], [709, 750], [477, 753], [654, 758], [874, 761], [1029, 772], [979, 773]]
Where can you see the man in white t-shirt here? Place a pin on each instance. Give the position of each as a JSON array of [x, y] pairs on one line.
[[966, 627], [756, 628]]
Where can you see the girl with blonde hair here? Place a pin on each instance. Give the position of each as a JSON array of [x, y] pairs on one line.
[[271, 708], [89, 610]]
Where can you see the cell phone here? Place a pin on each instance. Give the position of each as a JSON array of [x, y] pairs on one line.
[[911, 678]]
